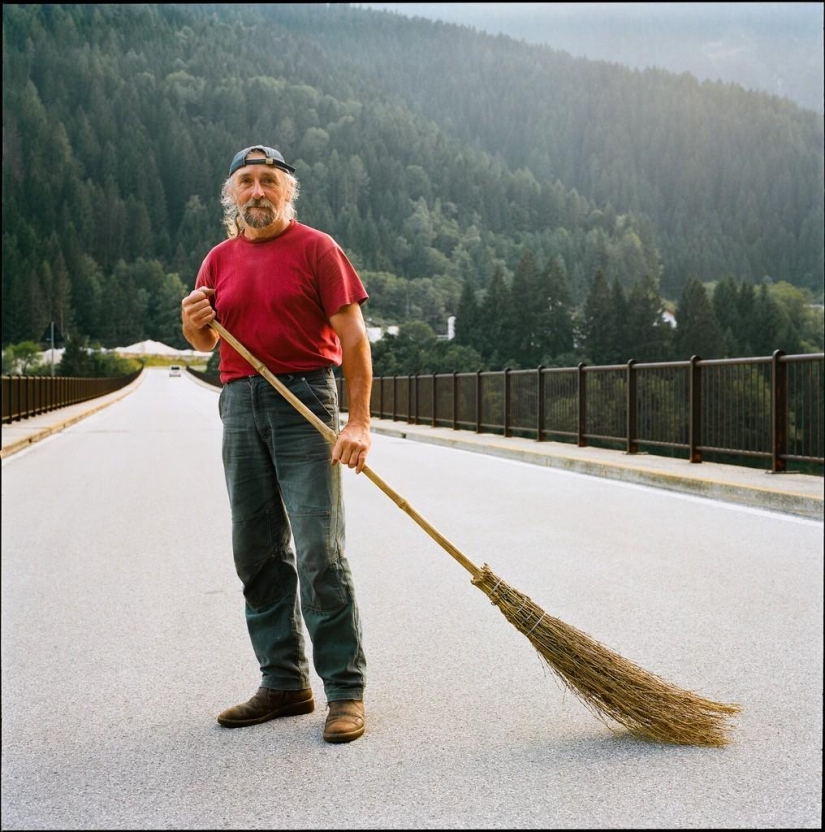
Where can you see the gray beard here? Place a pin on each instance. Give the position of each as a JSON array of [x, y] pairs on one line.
[[260, 218]]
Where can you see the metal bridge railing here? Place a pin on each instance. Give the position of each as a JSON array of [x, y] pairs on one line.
[[26, 396], [736, 409]]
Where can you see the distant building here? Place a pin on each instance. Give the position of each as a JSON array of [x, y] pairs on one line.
[[57, 354], [376, 333], [450, 334], [150, 347]]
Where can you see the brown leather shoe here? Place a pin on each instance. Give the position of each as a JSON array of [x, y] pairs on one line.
[[345, 720], [268, 704]]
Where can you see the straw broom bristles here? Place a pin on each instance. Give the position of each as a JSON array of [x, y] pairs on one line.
[[608, 684]]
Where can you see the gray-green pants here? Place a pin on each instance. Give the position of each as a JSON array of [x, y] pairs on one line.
[[284, 490]]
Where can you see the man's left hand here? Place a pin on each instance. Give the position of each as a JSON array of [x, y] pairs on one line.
[[352, 446]]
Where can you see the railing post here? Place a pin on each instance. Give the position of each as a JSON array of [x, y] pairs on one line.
[[381, 397], [582, 428], [478, 401], [24, 380], [540, 404], [779, 410], [506, 401], [394, 395], [455, 399], [410, 418], [632, 446], [414, 394], [435, 401], [8, 399], [695, 425]]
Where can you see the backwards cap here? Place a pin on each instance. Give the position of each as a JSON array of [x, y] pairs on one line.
[[273, 158]]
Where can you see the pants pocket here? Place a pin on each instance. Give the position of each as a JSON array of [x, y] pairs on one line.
[[321, 396]]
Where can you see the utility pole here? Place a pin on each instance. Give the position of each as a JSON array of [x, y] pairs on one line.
[[51, 336]]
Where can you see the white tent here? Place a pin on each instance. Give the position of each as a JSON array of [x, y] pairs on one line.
[[46, 355], [158, 348]]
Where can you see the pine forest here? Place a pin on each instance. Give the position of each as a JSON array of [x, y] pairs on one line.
[[539, 209]]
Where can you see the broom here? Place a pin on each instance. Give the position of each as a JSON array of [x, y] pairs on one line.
[[610, 686]]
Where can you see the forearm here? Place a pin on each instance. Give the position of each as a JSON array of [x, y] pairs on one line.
[[353, 443], [357, 370], [202, 339]]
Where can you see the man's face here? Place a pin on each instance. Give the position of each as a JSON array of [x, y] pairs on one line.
[[261, 194]]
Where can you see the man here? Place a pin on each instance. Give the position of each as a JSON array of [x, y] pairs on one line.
[[290, 295]]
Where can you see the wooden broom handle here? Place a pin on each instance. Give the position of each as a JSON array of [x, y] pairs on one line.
[[331, 437]]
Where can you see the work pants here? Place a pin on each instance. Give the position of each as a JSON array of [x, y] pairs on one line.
[[288, 533]]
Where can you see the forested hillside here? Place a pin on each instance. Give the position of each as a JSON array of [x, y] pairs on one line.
[[731, 180], [448, 163]]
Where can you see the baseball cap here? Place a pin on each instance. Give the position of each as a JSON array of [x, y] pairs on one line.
[[273, 157]]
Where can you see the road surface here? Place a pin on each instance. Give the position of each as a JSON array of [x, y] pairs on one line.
[[123, 636]]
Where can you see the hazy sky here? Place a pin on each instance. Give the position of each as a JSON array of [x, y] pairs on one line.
[[546, 22], [773, 47]]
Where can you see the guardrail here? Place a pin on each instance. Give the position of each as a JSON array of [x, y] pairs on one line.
[[26, 396], [733, 410]]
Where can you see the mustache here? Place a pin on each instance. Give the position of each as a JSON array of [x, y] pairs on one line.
[[258, 203]]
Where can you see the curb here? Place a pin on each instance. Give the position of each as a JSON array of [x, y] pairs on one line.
[[801, 505]]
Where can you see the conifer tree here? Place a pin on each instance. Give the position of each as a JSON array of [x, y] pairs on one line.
[[527, 306], [618, 324], [697, 331], [598, 321], [745, 305], [648, 335], [768, 323], [726, 308], [495, 316], [558, 311], [467, 319]]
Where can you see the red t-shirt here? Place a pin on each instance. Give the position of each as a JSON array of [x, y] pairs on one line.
[[276, 297]]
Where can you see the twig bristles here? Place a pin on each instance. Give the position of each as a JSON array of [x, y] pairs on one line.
[[608, 684]]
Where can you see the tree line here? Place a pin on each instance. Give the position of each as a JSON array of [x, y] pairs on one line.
[[532, 321]]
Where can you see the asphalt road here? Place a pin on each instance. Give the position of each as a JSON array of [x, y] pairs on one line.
[[123, 637]]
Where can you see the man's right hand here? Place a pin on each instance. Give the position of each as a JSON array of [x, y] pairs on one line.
[[196, 314]]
